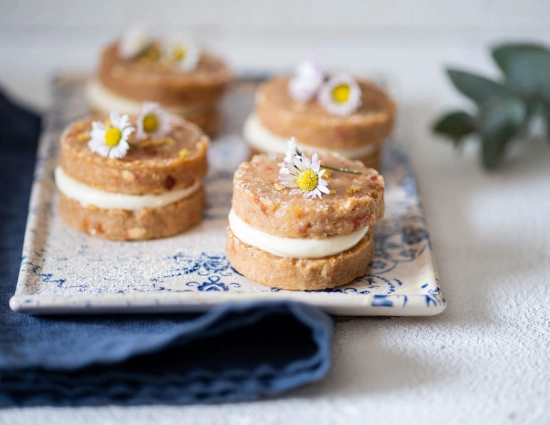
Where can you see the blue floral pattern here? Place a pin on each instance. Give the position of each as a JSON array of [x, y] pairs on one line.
[[216, 265], [66, 268]]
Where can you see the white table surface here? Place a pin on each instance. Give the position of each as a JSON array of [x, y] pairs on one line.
[[485, 360]]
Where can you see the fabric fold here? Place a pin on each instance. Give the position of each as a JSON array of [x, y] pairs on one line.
[[236, 351]]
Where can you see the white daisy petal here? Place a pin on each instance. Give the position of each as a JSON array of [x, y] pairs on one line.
[[124, 121], [126, 132], [100, 148], [299, 163], [341, 95], [161, 123], [120, 150], [114, 116], [98, 126], [310, 194], [183, 51], [99, 136], [302, 173], [315, 163], [306, 81], [287, 180], [133, 42], [291, 150]]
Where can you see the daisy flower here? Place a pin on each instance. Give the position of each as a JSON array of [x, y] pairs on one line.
[[133, 42], [341, 95], [291, 152], [306, 81], [111, 141], [183, 51], [305, 177], [153, 121]]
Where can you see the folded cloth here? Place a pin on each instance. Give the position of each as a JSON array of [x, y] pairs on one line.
[[237, 351]]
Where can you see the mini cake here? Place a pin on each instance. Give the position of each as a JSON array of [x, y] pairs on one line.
[[340, 115], [173, 72], [303, 224], [126, 182]]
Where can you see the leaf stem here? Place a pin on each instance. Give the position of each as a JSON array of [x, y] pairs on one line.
[[341, 170]]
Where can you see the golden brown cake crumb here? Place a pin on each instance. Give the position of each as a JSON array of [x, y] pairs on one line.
[[303, 223], [152, 169], [312, 125], [150, 187], [147, 223], [123, 83], [155, 82], [260, 204]]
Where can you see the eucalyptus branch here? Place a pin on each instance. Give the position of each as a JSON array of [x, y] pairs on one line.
[[505, 107]]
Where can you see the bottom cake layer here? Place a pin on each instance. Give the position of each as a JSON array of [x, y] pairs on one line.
[[299, 274], [119, 224]]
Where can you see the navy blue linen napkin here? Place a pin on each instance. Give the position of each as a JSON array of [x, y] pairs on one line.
[[234, 352]]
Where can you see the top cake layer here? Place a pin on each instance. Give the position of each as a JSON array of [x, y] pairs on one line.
[[312, 125], [355, 201], [155, 165], [148, 79]]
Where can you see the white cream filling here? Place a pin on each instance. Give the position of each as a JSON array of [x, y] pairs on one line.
[[264, 140], [105, 100], [293, 247], [87, 195]]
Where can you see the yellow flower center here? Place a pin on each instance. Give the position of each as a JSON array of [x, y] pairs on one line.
[[151, 53], [178, 53], [112, 137], [150, 123], [307, 180], [341, 93], [138, 41]]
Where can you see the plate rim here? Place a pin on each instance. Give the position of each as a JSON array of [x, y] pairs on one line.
[[394, 304]]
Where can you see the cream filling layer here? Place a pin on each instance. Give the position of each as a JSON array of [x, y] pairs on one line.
[[293, 247], [87, 195], [264, 140], [106, 101]]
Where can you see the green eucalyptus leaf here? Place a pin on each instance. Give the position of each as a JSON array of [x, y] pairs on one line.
[[477, 88], [545, 109], [500, 121], [455, 125], [527, 69]]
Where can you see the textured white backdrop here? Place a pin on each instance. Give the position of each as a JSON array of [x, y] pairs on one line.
[[485, 359]]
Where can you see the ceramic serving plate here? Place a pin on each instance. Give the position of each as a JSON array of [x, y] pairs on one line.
[[63, 271]]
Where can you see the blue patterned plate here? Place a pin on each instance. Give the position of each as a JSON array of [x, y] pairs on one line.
[[63, 271]]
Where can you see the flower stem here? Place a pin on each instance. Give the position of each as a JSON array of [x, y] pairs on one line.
[[341, 170]]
